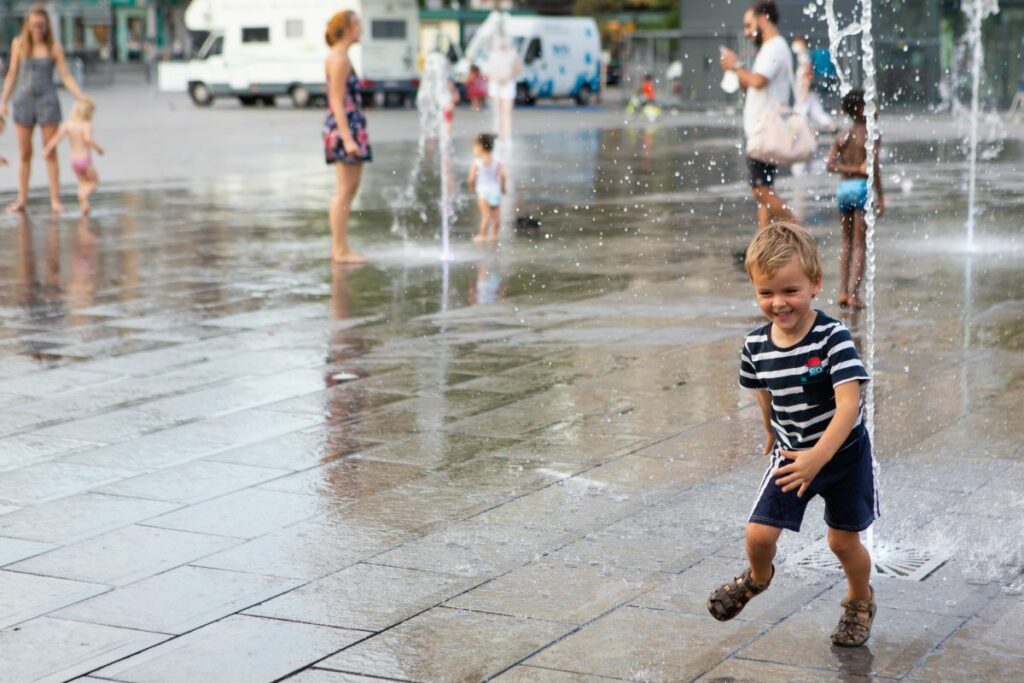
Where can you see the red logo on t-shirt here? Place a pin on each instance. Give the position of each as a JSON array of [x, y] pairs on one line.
[[814, 365]]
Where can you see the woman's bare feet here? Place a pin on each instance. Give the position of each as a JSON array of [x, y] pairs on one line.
[[16, 206], [479, 238], [349, 257], [85, 206]]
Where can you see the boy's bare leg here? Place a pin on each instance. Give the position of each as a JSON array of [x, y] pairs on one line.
[[52, 168], [87, 183], [495, 212], [856, 562], [485, 219], [770, 207], [761, 541], [845, 254], [858, 260]]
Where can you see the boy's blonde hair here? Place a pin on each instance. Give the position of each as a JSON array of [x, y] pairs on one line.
[[774, 246], [83, 109]]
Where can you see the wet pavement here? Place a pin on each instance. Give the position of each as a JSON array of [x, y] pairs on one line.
[[223, 459]]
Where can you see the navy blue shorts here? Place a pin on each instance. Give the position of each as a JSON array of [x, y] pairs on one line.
[[847, 483]]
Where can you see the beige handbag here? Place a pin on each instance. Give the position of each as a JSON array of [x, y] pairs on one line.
[[781, 135]]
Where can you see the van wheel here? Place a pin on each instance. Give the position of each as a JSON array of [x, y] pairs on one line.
[[523, 95], [301, 96], [268, 101], [584, 96], [201, 94]]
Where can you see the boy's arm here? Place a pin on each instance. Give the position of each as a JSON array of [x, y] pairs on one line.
[[764, 399], [502, 178], [806, 464], [471, 181], [52, 144]]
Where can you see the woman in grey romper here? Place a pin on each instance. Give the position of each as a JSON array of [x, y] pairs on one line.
[[34, 56]]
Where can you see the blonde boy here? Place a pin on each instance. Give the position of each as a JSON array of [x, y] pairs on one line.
[[807, 375]]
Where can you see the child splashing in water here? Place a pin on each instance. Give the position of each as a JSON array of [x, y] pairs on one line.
[[487, 181], [78, 130], [848, 157]]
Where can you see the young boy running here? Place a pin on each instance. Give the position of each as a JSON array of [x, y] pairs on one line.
[[807, 375]]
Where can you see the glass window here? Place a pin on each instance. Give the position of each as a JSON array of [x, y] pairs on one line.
[[259, 34], [293, 28], [216, 48], [388, 29]]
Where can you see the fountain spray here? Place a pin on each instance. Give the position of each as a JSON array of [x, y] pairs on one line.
[[976, 11]]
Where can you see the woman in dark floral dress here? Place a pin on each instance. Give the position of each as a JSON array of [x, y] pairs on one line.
[[346, 146]]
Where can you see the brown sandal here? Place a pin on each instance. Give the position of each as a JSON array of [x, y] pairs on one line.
[[854, 627], [729, 600]]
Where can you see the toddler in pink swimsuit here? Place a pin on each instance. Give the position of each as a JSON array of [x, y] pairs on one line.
[[78, 130]]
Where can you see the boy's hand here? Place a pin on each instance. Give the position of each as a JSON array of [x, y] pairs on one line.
[[801, 472], [769, 443], [880, 206]]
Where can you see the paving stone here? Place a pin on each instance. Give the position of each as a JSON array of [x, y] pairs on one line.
[[238, 649], [899, 639], [24, 596], [49, 480], [365, 596], [12, 550], [71, 648], [474, 548], [307, 550], [347, 479], [179, 600], [534, 674], [194, 440], [245, 514], [297, 450], [447, 645], [648, 645], [955, 663], [27, 449], [325, 676], [123, 556], [574, 505], [737, 670], [191, 482], [557, 591], [78, 517]]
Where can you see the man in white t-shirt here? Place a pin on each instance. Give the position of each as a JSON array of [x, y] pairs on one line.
[[768, 83]]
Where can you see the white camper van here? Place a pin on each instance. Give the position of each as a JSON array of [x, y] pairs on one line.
[[560, 56], [258, 50]]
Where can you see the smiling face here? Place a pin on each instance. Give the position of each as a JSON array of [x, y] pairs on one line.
[[785, 298]]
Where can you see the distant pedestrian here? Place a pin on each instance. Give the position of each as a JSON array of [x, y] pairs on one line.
[[78, 130], [767, 84], [488, 182], [806, 100], [849, 158], [346, 143], [34, 56], [476, 87], [503, 70]]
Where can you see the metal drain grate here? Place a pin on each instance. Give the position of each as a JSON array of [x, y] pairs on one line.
[[896, 561]]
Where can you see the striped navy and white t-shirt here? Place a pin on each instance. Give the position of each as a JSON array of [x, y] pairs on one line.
[[802, 378]]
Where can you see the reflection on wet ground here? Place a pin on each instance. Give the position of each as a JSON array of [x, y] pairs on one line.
[[532, 461]]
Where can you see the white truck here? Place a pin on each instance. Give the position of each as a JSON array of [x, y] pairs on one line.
[[560, 56], [258, 50]]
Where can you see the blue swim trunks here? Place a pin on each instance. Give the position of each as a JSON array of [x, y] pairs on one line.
[[846, 482], [852, 195]]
